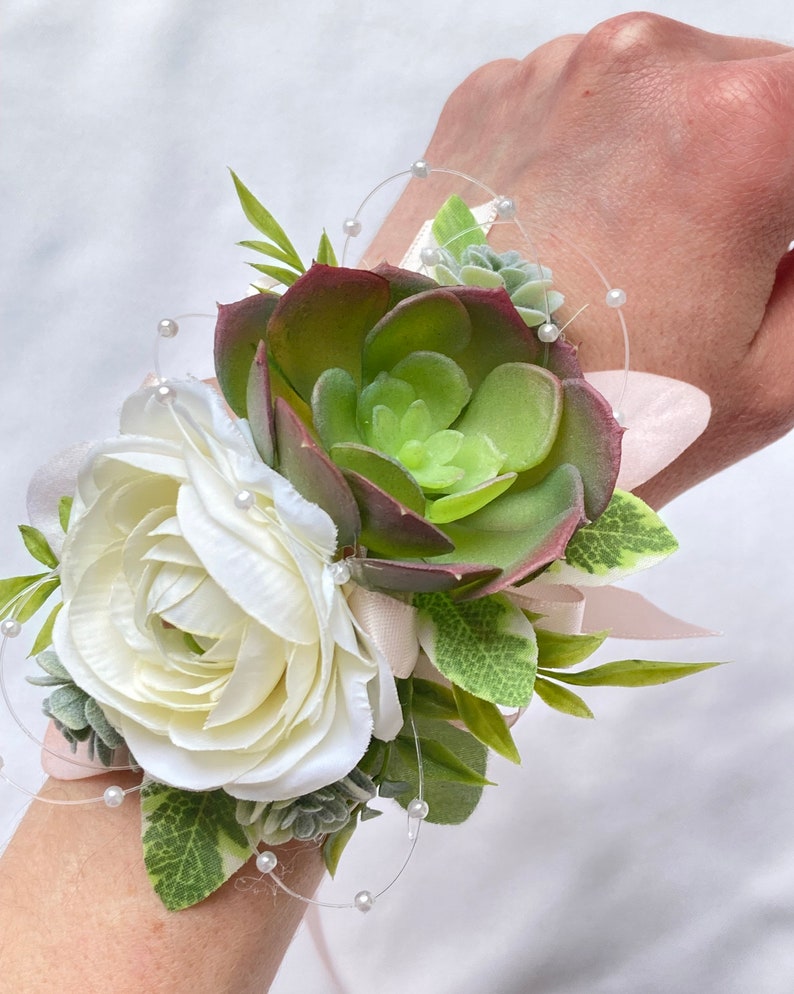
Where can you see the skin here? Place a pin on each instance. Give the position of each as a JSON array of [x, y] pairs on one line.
[[667, 155]]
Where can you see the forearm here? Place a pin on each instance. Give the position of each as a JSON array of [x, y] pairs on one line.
[[79, 912]]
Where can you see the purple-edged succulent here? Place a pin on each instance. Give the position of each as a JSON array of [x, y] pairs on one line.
[[451, 448]]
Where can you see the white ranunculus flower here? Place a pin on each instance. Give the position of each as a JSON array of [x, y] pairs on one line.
[[214, 637]]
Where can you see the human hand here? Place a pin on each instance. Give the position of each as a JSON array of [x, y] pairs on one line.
[[666, 154]]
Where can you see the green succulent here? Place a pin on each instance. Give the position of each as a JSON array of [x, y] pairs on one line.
[[450, 446], [527, 284], [322, 812], [76, 714]]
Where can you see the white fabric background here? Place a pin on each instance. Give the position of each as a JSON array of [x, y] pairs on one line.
[[649, 852]]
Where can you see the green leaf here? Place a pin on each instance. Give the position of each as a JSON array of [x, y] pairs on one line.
[[561, 699], [439, 762], [449, 803], [455, 227], [32, 600], [97, 720], [558, 652], [65, 511], [44, 638], [67, 704], [192, 842], [628, 537], [265, 248], [434, 700], [335, 845], [11, 588], [285, 276], [38, 546], [486, 646], [264, 222], [325, 251], [485, 721], [630, 673]]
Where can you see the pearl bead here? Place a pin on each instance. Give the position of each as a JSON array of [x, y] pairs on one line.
[[548, 332], [418, 809], [615, 298], [167, 328], [340, 572], [352, 227], [114, 797], [244, 499], [164, 394], [430, 256], [420, 169], [618, 416], [10, 628], [266, 861], [364, 901], [506, 208]]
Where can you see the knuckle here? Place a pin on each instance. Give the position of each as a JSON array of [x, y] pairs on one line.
[[628, 38]]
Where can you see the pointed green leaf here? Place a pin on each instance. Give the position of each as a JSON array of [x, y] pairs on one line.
[[455, 227], [38, 546], [11, 588], [265, 248], [449, 803], [264, 221], [192, 842], [561, 699], [485, 646], [558, 652], [29, 602], [44, 639], [65, 511], [630, 673], [285, 276], [325, 251], [433, 700], [440, 762], [628, 537], [485, 721]]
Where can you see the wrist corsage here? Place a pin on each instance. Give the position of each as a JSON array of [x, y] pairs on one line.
[[339, 573]]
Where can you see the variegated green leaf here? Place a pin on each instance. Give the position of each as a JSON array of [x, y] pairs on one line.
[[192, 842], [627, 537], [485, 646]]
